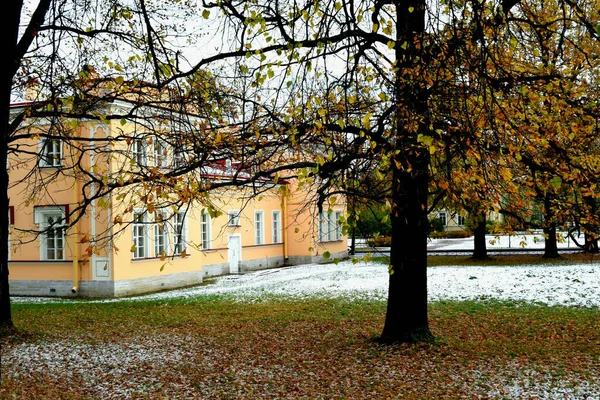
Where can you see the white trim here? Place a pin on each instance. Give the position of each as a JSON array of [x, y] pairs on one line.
[[42, 215], [165, 234], [141, 234], [183, 235], [233, 218], [205, 225], [160, 159], [139, 151], [230, 249], [40, 212], [52, 158], [276, 235], [259, 227], [101, 266]]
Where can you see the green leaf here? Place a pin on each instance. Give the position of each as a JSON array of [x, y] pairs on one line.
[[556, 182], [326, 255], [205, 14], [598, 29]]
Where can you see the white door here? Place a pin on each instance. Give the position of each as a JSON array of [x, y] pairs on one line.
[[235, 253]]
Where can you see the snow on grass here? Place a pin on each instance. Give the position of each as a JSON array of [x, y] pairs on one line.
[[129, 368], [569, 285]]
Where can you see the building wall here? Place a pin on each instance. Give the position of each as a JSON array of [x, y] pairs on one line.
[[99, 257]]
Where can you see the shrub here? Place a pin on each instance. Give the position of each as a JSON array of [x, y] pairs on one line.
[[436, 225], [380, 241], [450, 235]]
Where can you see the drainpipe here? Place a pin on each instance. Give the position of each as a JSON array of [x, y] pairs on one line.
[[284, 227], [75, 287]]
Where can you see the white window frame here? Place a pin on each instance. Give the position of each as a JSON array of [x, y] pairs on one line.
[[58, 242], [160, 154], [276, 225], [460, 220], [205, 230], [323, 225], [53, 157], [259, 227], [338, 226], [233, 218], [161, 234], [443, 216], [179, 156], [139, 234], [179, 224], [139, 151]]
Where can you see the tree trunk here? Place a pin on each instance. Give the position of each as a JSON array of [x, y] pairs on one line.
[[591, 243], [479, 242], [550, 242], [591, 227], [12, 13], [406, 316]]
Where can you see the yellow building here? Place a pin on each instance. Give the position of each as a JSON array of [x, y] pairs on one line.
[[65, 241]]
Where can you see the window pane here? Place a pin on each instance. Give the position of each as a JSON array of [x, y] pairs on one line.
[[179, 233], [258, 227]]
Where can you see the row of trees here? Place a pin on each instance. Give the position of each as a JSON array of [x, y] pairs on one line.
[[475, 103]]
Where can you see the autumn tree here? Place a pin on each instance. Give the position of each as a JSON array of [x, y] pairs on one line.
[[118, 64], [416, 55]]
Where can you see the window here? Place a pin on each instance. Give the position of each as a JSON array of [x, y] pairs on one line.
[[160, 154], [179, 156], [205, 230], [139, 152], [259, 227], [329, 226], [443, 217], [140, 239], [338, 225], [51, 152], [51, 220], [161, 235], [233, 218], [460, 220], [276, 226], [11, 221], [323, 226], [179, 232]]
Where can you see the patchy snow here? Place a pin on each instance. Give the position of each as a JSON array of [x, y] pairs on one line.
[[113, 369], [571, 285], [514, 241]]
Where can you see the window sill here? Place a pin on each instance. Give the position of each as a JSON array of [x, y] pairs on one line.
[[159, 258]]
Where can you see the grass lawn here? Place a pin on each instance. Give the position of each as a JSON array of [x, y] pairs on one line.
[[215, 348]]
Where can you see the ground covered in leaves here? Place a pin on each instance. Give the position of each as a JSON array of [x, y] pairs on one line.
[[214, 347]]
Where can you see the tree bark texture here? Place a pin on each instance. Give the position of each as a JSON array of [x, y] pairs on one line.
[[12, 18], [479, 242], [550, 242], [406, 316]]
